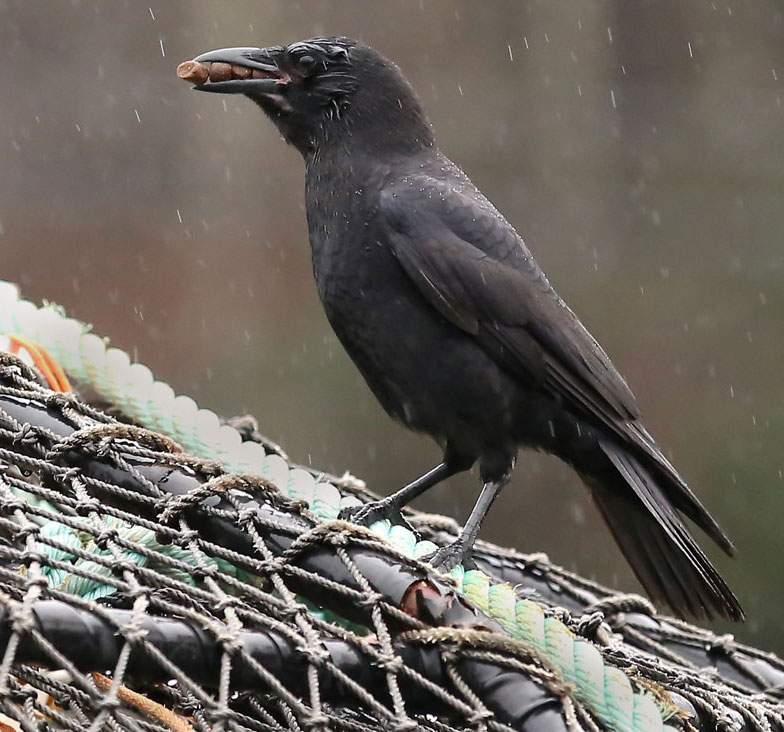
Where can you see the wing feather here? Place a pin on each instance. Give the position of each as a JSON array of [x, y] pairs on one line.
[[508, 305]]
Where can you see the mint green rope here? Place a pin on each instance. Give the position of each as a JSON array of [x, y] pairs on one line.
[[605, 690]]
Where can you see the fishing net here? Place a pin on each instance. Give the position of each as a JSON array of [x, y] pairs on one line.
[[146, 587]]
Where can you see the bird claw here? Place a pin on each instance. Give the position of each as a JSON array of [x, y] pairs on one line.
[[449, 556], [369, 513]]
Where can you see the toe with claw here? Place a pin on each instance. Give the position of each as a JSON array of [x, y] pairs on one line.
[[368, 513], [449, 556]]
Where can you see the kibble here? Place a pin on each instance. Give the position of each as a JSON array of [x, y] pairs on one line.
[[194, 72]]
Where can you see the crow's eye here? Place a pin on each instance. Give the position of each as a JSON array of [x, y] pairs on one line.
[[306, 62]]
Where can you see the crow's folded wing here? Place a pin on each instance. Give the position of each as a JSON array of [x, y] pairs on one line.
[[471, 266]]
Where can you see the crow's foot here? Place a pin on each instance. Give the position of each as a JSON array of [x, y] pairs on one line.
[[449, 556], [368, 513]]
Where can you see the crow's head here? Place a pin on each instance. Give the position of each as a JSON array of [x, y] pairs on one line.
[[318, 90]]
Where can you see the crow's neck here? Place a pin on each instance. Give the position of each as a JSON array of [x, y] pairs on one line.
[[383, 125]]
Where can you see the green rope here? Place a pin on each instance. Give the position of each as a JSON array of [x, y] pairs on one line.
[[131, 387]]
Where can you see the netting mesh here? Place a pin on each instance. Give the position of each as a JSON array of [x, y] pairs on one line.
[[146, 589]]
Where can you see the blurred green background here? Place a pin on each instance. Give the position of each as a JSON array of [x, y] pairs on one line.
[[637, 146]]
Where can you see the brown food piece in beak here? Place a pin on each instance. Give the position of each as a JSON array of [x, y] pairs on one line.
[[240, 72], [220, 72], [193, 71]]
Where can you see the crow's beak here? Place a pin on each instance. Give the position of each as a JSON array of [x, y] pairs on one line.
[[252, 71]]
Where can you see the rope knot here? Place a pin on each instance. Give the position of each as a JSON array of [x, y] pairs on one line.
[[27, 435], [316, 656], [290, 613], [614, 605], [29, 558], [723, 644], [316, 720], [225, 602], [133, 634], [173, 506], [370, 601], [203, 571], [392, 664], [14, 505], [229, 641], [271, 566], [22, 620], [562, 614], [87, 507], [122, 566], [479, 716], [589, 623], [106, 535], [405, 725]]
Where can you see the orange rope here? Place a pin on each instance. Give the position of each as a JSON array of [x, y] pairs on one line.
[[48, 366], [133, 699]]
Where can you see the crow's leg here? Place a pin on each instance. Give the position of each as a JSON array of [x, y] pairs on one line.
[[459, 551], [390, 507]]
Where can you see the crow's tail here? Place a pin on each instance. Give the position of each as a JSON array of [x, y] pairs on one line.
[[635, 502]]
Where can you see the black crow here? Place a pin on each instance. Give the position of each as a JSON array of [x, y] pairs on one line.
[[454, 327]]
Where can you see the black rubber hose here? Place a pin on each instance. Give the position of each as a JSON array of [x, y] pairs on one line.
[[92, 644]]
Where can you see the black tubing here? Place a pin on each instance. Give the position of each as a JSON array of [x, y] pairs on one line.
[[92, 643]]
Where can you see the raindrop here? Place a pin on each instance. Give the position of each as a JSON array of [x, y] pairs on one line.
[[691, 53], [509, 48], [163, 52], [136, 112], [152, 15], [609, 33]]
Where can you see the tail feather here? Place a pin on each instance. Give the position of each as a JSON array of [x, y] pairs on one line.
[[680, 494], [665, 557]]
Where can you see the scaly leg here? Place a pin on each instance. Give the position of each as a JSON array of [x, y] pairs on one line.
[[459, 551], [389, 507]]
